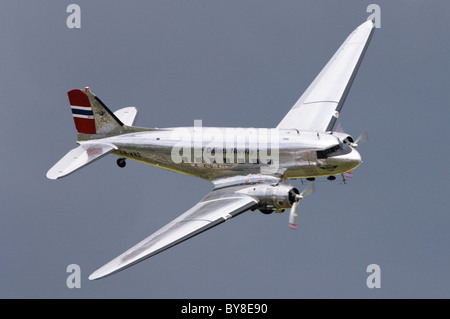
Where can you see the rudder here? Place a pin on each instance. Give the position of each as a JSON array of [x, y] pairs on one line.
[[91, 116], [83, 115]]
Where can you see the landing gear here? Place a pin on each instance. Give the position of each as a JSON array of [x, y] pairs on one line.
[[121, 162]]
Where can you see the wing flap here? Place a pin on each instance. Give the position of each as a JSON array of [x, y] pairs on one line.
[[79, 157], [217, 207], [319, 106]]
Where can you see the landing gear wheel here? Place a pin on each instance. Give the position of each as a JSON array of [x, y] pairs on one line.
[[266, 211], [121, 162]]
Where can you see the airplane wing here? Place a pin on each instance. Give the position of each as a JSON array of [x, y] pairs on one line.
[[319, 106], [221, 204]]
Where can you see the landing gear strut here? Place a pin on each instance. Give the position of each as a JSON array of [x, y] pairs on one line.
[[121, 162]]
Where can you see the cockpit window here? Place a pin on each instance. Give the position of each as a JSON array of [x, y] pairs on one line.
[[338, 149]]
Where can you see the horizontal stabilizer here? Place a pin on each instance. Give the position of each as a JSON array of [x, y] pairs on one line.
[[127, 115], [79, 157]]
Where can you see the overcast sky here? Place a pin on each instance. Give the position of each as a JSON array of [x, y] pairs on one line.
[[228, 63]]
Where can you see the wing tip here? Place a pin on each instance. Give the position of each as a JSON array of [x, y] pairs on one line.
[[369, 23], [54, 174], [102, 273], [92, 278], [51, 176], [95, 276]]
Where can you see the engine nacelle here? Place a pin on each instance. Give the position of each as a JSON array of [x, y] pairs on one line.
[[344, 137], [272, 197]]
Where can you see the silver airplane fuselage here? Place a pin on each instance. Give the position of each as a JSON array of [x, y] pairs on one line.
[[213, 153]]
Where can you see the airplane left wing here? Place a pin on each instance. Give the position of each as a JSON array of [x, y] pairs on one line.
[[320, 105], [218, 206]]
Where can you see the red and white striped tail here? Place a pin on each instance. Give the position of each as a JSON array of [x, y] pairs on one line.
[[82, 112]]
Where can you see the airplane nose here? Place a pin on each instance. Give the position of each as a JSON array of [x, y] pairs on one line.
[[354, 158]]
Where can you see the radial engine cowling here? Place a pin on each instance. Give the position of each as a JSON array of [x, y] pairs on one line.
[[345, 138], [275, 198]]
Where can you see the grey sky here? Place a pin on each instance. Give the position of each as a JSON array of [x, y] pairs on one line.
[[228, 63]]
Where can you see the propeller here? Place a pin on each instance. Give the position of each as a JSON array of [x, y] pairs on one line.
[[293, 215], [361, 139]]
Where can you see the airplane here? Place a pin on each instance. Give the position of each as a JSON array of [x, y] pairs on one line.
[[248, 167]]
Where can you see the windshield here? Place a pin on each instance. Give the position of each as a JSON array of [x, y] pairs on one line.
[[338, 149]]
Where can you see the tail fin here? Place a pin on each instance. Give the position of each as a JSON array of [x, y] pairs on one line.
[[93, 121], [91, 116]]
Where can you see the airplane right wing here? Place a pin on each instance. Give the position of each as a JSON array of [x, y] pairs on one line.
[[221, 204], [319, 106]]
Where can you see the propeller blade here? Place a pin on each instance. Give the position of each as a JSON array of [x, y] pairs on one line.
[[293, 216], [362, 138], [308, 190]]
